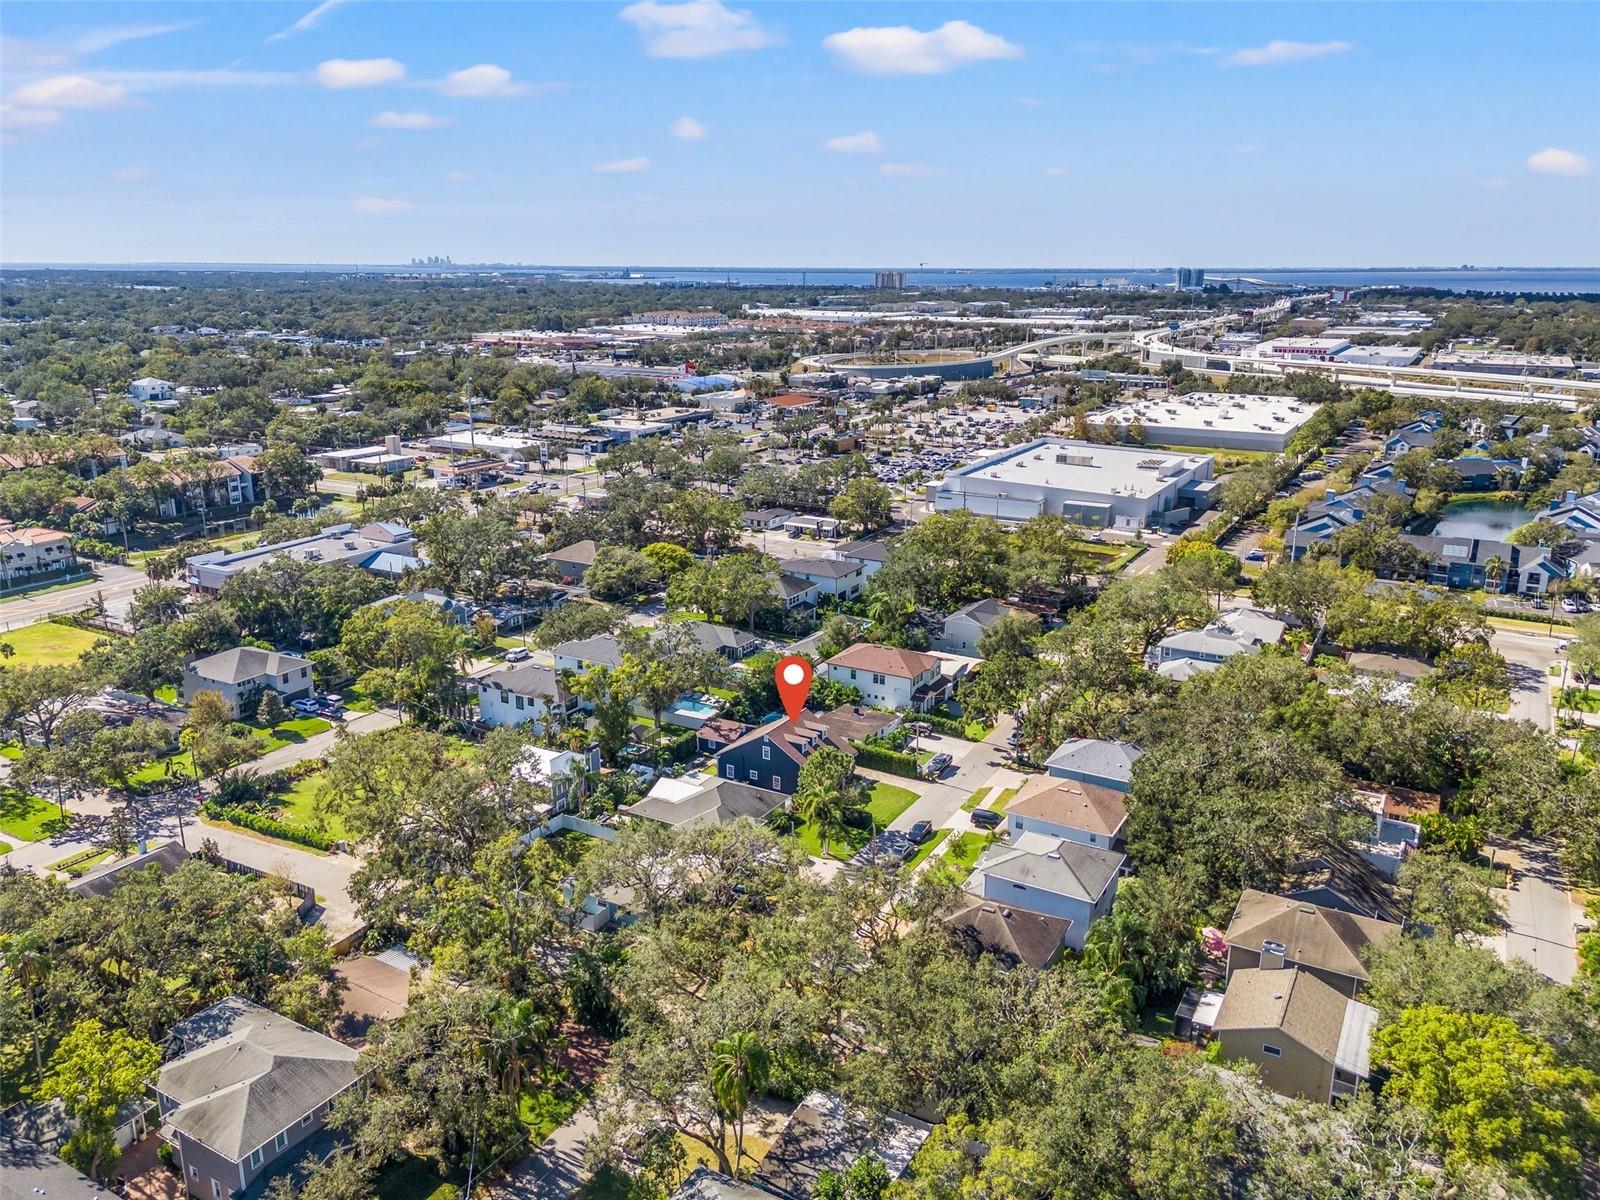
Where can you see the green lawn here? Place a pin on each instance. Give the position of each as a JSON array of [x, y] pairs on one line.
[[81, 863], [887, 801], [27, 818], [297, 806], [174, 768], [1004, 798], [11, 750], [296, 729], [543, 1110], [63, 585], [965, 849], [167, 693], [48, 644], [1578, 699], [928, 847]]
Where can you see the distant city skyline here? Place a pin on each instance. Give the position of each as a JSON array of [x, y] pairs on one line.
[[853, 136]]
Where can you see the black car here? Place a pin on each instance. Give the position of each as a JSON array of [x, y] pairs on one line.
[[986, 818], [920, 832]]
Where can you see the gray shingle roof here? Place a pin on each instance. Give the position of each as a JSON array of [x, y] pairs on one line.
[[527, 679], [244, 663], [1110, 760], [258, 1076], [720, 802], [1053, 865]]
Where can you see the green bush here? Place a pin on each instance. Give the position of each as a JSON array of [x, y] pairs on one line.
[[893, 762], [949, 726], [270, 826]]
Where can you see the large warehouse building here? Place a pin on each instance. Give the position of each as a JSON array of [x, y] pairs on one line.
[[1120, 487], [1221, 419]]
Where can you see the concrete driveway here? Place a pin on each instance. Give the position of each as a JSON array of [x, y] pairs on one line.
[[1540, 915]]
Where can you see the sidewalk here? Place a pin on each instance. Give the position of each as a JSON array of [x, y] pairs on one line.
[[556, 1169]]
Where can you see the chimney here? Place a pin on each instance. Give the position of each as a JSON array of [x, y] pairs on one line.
[[1328, 494], [391, 444], [1272, 955]]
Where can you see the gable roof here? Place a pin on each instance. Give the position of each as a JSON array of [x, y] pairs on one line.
[[579, 553], [1072, 804], [863, 551], [790, 586], [719, 637], [256, 1078], [796, 739], [167, 857], [601, 650], [1052, 865], [1297, 1004], [1311, 935], [821, 568], [985, 612], [884, 660], [1012, 935], [527, 679], [719, 802], [244, 663]]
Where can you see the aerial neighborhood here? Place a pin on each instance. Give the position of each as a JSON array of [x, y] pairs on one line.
[[1194, 794]]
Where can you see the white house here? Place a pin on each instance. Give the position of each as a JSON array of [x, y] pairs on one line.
[[832, 576], [147, 389], [523, 695], [1235, 631], [564, 772], [873, 556], [1052, 876], [888, 676], [244, 671], [964, 628]]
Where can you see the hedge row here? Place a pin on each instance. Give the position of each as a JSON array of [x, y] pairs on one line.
[[949, 726], [270, 826], [894, 762]]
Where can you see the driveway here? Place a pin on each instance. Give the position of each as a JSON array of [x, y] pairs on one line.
[[556, 1169]]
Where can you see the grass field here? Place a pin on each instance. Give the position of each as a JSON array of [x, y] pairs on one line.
[[1004, 798], [27, 818], [972, 801], [47, 644], [298, 806], [965, 849], [927, 847], [82, 863]]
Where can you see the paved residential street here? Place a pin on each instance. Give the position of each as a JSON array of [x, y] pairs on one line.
[[556, 1169], [1530, 655], [115, 585], [1539, 911]]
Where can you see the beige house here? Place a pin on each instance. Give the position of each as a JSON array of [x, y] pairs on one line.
[[1308, 1039], [26, 551], [1275, 931]]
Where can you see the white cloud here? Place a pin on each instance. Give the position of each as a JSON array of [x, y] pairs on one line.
[[482, 82], [688, 129], [388, 119], [308, 21], [130, 174], [695, 29], [1551, 161], [623, 166], [12, 117], [460, 176], [908, 170], [68, 91], [1056, 172], [341, 73], [1277, 53], [97, 40], [381, 204], [902, 50], [865, 142]]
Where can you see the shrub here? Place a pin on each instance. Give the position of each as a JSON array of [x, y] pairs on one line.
[[949, 726], [880, 758], [270, 826]]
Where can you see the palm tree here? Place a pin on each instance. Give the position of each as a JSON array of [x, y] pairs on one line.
[[828, 793], [740, 1067], [1491, 571]]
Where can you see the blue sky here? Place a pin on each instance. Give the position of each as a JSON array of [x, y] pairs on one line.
[[666, 133]]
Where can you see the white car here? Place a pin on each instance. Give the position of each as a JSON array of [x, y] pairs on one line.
[[518, 654], [305, 707]]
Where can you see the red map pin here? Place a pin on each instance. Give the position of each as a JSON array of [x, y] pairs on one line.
[[793, 677]]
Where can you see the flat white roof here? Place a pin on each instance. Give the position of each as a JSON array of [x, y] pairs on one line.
[[1290, 345], [483, 441], [1084, 467], [1249, 413]]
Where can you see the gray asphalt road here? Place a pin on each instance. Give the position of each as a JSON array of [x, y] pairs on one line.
[[1530, 655], [115, 585]]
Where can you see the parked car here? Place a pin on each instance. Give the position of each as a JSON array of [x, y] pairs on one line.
[[1257, 555], [920, 832], [986, 818], [1569, 605], [936, 766], [305, 707], [518, 654]]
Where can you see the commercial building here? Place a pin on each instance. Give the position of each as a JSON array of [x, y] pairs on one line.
[[1121, 487], [1302, 349], [382, 547], [1503, 362], [1222, 419], [1379, 356]]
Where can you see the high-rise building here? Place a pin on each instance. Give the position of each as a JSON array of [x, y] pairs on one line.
[[1191, 278], [889, 280]]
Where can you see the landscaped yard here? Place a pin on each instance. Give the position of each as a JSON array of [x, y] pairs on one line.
[[965, 849], [27, 818], [80, 863], [48, 644], [1579, 699], [1004, 798], [545, 1109], [885, 802], [414, 1179], [972, 801], [697, 1153], [927, 847]]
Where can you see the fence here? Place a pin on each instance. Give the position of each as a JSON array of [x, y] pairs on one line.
[[567, 823]]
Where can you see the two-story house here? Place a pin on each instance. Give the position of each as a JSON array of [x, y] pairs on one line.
[[1269, 930], [888, 676], [1235, 631], [770, 756], [1058, 878], [1308, 1040], [247, 1098], [1086, 813], [244, 672], [963, 629], [837, 577], [28, 552], [573, 562], [526, 694], [871, 556], [565, 772], [795, 592]]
